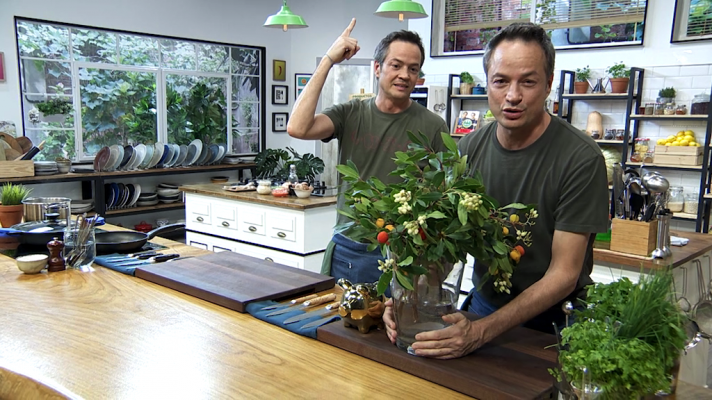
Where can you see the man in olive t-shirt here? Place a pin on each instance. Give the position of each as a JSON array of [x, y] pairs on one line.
[[369, 131]]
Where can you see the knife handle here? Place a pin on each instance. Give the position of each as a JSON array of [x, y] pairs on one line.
[[320, 300], [146, 255], [303, 299], [164, 257], [333, 306]]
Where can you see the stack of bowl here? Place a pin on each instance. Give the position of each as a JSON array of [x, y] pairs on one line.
[[82, 206], [168, 193], [46, 168], [147, 199]]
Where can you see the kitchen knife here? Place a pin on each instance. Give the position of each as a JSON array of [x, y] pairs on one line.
[[309, 303], [331, 308], [152, 260], [136, 256], [318, 322], [292, 303]]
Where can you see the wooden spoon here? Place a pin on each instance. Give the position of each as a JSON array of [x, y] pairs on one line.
[[25, 143]]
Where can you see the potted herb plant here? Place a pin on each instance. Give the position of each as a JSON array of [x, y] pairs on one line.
[[619, 77], [582, 76], [274, 163], [666, 95], [11, 209], [467, 82], [421, 78], [56, 108], [426, 225], [628, 339]]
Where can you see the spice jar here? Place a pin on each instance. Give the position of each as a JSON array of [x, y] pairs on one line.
[[700, 104], [610, 134], [681, 110], [649, 108], [676, 202], [620, 134], [669, 109], [659, 109], [264, 186], [691, 203]]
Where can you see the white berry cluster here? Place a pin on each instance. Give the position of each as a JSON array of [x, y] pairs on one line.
[[533, 214], [471, 201], [421, 219], [403, 197], [387, 265], [411, 227], [502, 283]]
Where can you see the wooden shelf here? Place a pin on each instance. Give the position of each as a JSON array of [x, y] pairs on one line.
[[595, 96], [147, 209], [682, 215], [708, 196], [604, 141], [666, 166], [469, 96], [688, 117]]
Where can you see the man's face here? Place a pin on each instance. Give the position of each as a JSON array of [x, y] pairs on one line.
[[399, 72], [517, 84]]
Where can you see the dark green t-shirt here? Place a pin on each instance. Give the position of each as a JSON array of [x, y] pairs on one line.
[[370, 138], [564, 174]]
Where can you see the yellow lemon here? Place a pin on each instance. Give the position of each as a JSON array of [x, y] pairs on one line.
[[675, 143], [690, 133], [680, 134], [684, 142], [662, 142], [697, 145], [671, 138], [692, 143]]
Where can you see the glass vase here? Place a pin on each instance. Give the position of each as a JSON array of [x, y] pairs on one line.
[[433, 295]]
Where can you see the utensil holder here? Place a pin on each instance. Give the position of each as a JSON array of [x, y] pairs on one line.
[[633, 237]]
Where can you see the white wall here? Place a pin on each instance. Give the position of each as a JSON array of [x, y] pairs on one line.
[[227, 21], [656, 51]]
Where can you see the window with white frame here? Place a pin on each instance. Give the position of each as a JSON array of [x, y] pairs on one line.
[[84, 88], [693, 20], [462, 27]]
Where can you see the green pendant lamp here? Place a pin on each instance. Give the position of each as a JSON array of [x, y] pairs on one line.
[[284, 19], [401, 9]]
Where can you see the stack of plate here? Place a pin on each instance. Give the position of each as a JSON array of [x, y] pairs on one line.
[[168, 193], [147, 199], [119, 195], [46, 168], [82, 206], [231, 159]]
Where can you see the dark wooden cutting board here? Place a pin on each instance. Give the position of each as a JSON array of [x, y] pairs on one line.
[[514, 366], [233, 280]]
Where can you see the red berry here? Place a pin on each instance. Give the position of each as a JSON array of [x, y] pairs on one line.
[[422, 233], [382, 237], [520, 249]]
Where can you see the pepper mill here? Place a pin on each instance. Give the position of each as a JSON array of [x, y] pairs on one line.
[[56, 261]]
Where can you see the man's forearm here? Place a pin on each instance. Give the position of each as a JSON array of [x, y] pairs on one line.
[[539, 297], [304, 109]]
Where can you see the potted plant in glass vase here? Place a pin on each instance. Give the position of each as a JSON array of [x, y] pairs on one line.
[[619, 77], [426, 225], [55, 109], [667, 95], [582, 76]]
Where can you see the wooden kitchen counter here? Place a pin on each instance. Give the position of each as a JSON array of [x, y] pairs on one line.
[[293, 202], [698, 245]]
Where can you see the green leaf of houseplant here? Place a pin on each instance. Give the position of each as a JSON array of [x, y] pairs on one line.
[[403, 280]]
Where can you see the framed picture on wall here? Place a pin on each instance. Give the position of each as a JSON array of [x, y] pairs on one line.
[[279, 121], [2, 66], [300, 82], [279, 70], [279, 94]]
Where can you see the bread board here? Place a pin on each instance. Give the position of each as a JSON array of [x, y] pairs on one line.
[[234, 280], [17, 169]]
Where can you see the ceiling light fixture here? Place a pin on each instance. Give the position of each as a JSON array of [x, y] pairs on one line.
[[401, 9], [285, 19]]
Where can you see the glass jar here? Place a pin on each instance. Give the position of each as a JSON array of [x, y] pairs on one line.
[[676, 202], [620, 134], [264, 186], [691, 203], [79, 248], [700, 104], [610, 134], [681, 110], [649, 108], [669, 109], [659, 109]]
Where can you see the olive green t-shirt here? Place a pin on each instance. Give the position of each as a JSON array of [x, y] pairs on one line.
[[564, 174], [370, 138]]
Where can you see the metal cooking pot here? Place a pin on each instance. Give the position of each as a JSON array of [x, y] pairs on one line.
[[39, 233], [37, 208]]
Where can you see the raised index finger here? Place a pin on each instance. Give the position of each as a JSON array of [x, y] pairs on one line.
[[347, 31]]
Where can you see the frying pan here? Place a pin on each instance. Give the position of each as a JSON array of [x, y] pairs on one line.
[[129, 241]]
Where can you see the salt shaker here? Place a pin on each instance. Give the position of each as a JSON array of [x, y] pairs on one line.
[[56, 261]]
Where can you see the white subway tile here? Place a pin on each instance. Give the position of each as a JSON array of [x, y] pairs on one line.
[[653, 83], [667, 71], [702, 82], [693, 70], [679, 82], [710, 72]]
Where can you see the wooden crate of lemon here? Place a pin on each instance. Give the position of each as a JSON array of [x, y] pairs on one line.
[[679, 149]]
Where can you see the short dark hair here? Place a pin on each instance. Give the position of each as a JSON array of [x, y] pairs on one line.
[[526, 32], [404, 36]]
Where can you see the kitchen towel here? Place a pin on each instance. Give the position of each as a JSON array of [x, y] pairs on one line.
[[112, 261], [255, 309], [678, 241]]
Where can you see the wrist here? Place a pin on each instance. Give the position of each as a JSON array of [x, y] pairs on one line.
[[328, 57]]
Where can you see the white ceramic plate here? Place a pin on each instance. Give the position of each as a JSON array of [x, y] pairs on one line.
[[113, 158], [137, 193], [120, 150], [147, 158], [157, 154], [221, 154], [140, 153], [182, 155], [198, 145]]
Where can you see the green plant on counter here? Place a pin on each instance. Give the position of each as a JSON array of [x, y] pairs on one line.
[[465, 77], [668, 92], [421, 74], [274, 163], [12, 195], [583, 74], [618, 70], [628, 338]]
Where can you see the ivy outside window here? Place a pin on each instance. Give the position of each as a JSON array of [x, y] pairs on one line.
[[127, 88]]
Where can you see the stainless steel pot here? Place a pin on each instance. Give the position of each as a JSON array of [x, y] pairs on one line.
[[36, 208]]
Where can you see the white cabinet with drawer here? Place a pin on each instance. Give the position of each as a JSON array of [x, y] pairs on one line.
[[288, 235]]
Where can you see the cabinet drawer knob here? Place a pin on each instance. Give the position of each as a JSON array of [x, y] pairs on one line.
[[269, 259], [225, 223], [282, 234], [252, 229], [199, 219]]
